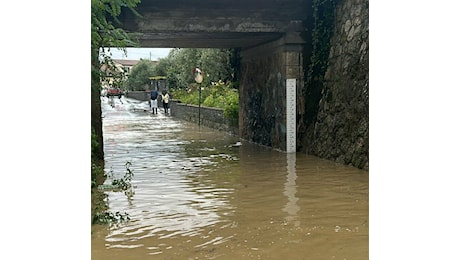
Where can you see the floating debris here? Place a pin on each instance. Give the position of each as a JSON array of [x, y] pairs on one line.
[[237, 144]]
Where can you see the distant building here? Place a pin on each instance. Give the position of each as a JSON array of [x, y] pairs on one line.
[[129, 64], [119, 74]]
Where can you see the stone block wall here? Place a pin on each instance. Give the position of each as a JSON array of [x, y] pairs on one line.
[[209, 116], [139, 95], [341, 130], [262, 116], [263, 72]]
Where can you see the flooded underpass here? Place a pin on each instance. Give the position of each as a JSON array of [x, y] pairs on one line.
[[198, 194]]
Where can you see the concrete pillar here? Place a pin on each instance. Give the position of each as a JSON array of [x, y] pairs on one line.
[[270, 84]]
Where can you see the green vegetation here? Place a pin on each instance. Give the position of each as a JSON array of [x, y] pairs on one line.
[[323, 27], [124, 183], [220, 83], [322, 31], [101, 215], [99, 209], [139, 76], [104, 35], [217, 64], [110, 217], [218, 95]]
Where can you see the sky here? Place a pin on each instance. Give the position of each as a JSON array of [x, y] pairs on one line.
[[140, 53]]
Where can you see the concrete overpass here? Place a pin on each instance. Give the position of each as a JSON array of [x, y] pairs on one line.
[[271, 34], [216, 23]]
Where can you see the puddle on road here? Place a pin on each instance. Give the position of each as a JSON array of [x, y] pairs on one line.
[[197, 197]]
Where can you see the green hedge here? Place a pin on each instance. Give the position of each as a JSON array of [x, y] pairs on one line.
[[218, 95]]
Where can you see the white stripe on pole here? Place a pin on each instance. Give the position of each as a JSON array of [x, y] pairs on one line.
[[291, 115]]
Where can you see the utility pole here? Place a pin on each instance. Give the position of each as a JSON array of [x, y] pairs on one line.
[[198, 78]]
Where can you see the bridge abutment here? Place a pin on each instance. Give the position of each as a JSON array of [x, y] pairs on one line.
[[271, 80]]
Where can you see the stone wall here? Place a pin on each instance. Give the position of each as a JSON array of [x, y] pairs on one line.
[[341, 131], [209, 116], [139, 95], [262, 101], [263, 73]]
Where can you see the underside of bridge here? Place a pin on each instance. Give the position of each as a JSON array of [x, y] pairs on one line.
[[271, 35], [214, 23]]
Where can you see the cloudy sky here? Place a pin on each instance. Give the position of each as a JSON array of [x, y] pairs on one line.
[[141, 53]]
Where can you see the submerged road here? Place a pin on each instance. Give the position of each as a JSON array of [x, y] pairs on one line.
[[197, 195]]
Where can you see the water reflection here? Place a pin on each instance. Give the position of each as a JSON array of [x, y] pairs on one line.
[[290, 190]]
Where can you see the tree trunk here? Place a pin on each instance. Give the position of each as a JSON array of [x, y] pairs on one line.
[[96, 112]]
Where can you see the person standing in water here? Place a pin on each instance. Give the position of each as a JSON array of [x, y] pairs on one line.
[[165, 99], [154, 101]]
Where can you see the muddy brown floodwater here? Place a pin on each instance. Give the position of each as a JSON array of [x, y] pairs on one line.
[[198, 196]]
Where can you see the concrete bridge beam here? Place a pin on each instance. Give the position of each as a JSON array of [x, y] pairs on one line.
[[214, 23]]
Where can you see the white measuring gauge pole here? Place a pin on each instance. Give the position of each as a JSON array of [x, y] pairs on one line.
[[291, 115]]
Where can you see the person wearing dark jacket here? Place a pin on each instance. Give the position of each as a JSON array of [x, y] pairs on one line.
[[154, 101]]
